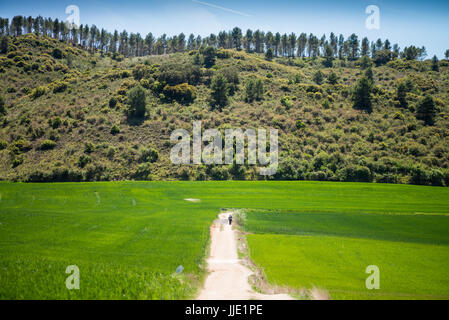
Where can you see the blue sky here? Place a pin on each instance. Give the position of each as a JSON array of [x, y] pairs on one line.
[[422, 23]]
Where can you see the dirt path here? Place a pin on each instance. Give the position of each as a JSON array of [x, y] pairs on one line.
[[228, 277]]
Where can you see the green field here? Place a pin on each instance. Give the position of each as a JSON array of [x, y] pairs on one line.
[[128, 238]]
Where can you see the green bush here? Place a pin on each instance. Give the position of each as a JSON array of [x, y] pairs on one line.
[[183, 92], [148, 155], [254, 90], [355, 173], [48, 144], [219, 94], [112, 102], [39, 91], [57, 53], [137, 102], [60, 86], [177, 73], [318, 77], [115, 129], [84, 160], [2, 105], [55, 122], [3, 144]]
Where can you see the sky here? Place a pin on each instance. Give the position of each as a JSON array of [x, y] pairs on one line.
[[406, 22]]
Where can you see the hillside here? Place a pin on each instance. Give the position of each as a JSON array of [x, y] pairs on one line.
[[67, 115]]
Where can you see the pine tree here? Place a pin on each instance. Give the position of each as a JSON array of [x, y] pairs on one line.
[[269, 54], [362, 94], [435, 64], [426, 110], [219, 94]]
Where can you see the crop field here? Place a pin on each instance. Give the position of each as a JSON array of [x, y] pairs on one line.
[[332, 250], [128, 238]]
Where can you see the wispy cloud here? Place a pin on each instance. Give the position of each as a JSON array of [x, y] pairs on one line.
[[222, 8]]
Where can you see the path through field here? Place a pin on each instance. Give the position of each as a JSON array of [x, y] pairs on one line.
[[228, 277]]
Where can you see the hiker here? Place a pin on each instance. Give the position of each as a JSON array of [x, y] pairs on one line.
[[230, 219]]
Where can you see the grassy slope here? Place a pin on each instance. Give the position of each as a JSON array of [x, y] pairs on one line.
[[335, 136], [124, 234]]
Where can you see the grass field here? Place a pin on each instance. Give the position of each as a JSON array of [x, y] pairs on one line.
[[332, 250], [128, 238]]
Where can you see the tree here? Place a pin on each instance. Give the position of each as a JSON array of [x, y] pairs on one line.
[[446, 54], [16, 25], [248, 40], [2, 105], [365, 47], [4, 44], [269, 54], [332, 78], [369, 74], [426, 110], [236, 38], [137, 102], [401, 94], [365, 62], [209, 54], [382, 57], [318, 77], [302, 43], [435, 66], [354, 46], [362, 94], [328, 55], [254, 90], [219, 94]]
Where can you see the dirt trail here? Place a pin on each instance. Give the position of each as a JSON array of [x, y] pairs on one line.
[[228, 277]]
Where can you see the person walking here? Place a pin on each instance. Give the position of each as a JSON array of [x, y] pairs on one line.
[[230, 219]]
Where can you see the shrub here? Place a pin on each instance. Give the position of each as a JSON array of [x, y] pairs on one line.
[[60, 86], [48, 144], [148, 155], [176, 73], [84, 160], [112, 102], [356, 174], [55, 122], [21, 145], [89, 147], [39, 91], [286, 102], [318, 77], [419, 175], [183, 92], [3, 144], [332, 78], [232, 77], [137, 102], [2, 105], [300, 124], [17, 161], [143, 172], [142, 71], [115, 129], [57, 53]]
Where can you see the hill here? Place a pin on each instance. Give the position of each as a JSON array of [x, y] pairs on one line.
[[67, 114]]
